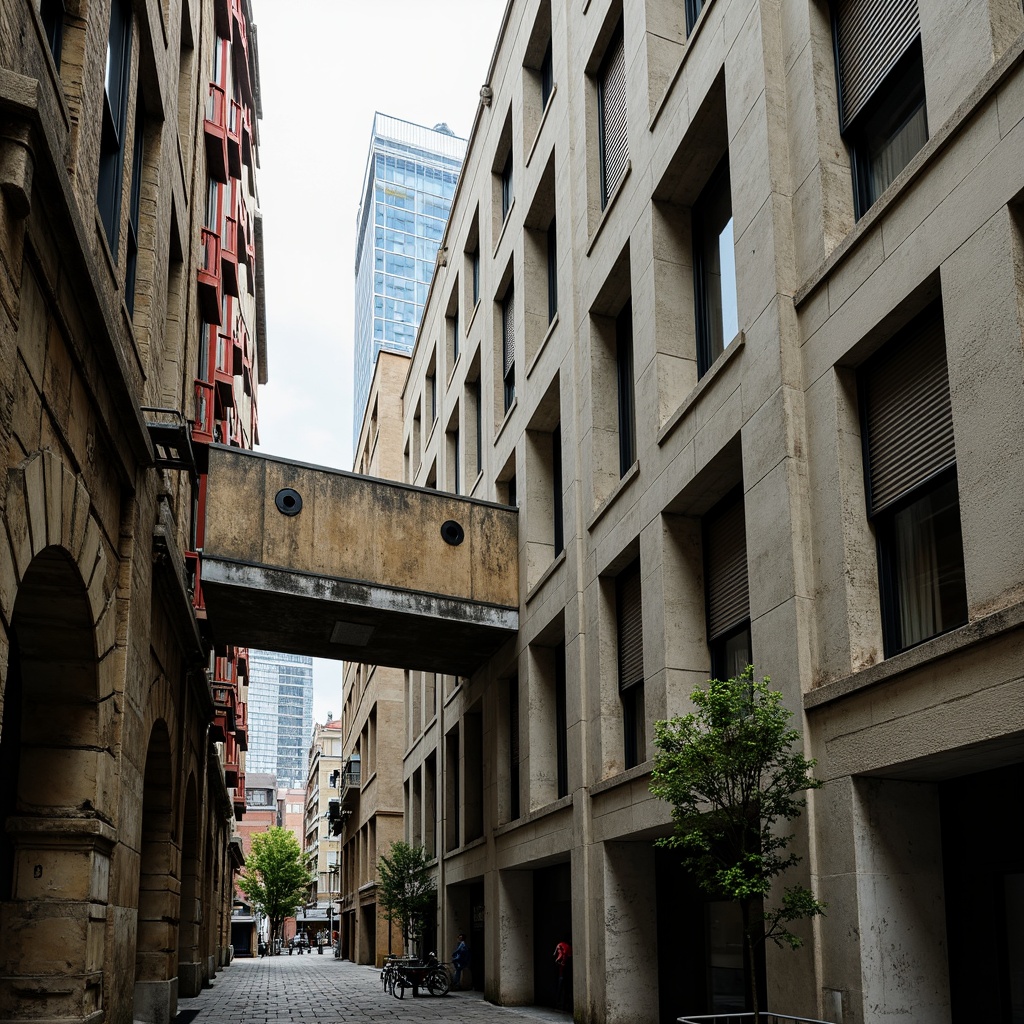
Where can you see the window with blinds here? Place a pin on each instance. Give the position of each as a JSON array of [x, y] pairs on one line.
[[508, 347], [630, 620], [881, 90], [912, 496], [726, 587], [630, 635], [611, 111]]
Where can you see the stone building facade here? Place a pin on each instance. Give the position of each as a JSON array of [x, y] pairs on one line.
[[739, 331], [123, 731], [372, 720]]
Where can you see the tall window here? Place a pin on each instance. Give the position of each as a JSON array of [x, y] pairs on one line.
[[693, 9], [478, 410], [547, 77], [726, 591], [556, 488], [630, 627], [115, 116], [714, 269], [134, 209], [561, 726], [613, 141], [52, 14], [912, 487], [552, 270], [513, 747], [474, 258], [624, 378], [508, 347], [881, 90], [506, 186]]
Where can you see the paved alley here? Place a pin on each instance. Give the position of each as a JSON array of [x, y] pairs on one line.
[[311, 989]]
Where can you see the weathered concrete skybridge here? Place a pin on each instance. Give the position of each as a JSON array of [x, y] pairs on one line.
[[316, 561]]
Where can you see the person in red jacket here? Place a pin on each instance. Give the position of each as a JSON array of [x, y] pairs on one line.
[[563, 954]]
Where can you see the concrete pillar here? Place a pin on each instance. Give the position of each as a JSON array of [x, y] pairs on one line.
[[515, 938], [631, 940], [899, 902], [983, 308], [54, 930]]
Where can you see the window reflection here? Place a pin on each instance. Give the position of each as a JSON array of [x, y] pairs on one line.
[[715, 269]]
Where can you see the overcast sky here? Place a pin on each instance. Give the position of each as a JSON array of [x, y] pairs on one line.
[[325, 67]]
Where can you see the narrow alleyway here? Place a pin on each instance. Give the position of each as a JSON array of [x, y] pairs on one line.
[[314, 989]]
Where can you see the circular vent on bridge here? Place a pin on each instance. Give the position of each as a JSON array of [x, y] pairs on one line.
[[452, 533], [288, 501]]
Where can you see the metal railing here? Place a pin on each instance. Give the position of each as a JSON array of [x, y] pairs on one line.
[[763, 1017]]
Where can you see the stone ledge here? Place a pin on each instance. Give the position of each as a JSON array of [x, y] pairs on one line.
[[957, 640]]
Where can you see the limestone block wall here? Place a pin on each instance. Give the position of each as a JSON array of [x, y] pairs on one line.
[[116, 812]]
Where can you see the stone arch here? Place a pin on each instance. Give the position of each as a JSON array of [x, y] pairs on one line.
[[58, 772], [190, 974], [156, 988]]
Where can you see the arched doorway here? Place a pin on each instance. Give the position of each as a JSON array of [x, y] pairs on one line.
[[55, 753], [156, 987]]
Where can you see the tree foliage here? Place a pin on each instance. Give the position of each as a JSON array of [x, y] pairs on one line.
[[405, 889], [729, 771], [274, 878]]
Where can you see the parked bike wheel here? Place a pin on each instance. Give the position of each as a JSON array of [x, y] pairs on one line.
[[438, 982]]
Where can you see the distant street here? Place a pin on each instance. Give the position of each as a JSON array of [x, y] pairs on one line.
[[311, 988]]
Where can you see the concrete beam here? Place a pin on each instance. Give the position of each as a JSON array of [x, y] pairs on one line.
[[317, 561]]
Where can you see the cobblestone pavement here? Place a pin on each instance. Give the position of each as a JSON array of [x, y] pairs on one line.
[[315, 989]]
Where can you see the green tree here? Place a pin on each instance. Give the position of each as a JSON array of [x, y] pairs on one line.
[[729, 771], [274, 878], [405, 889]]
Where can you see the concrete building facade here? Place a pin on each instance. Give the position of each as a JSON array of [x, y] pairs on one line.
[[130, 337], [320, 844], [740, 331]]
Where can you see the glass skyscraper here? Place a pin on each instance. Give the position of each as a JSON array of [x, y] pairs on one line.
[[280, 716], [408, 187]]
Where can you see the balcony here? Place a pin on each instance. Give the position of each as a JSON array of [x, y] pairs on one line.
[[195, 585], [247, 138], [202, 425], [242, 725], [351, 779], [229, 255], [223, 362], [209, 277], [240, 49], [234, 138], [216, 133], [231, 766]]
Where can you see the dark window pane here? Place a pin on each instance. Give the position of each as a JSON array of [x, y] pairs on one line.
[[627, 401], [547, 78], [923, 549]]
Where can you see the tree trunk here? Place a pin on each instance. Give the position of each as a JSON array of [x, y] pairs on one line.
[[748, 942]]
